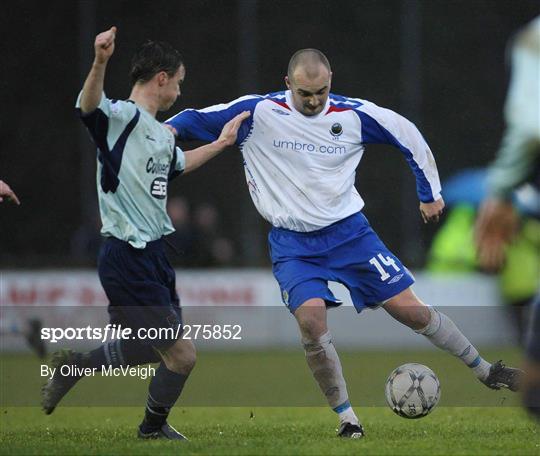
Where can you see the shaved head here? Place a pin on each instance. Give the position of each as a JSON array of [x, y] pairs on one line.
[[309, 61], [309, 79]]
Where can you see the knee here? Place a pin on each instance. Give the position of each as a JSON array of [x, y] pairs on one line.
[[428, 321], [312, 322], [421, 317], [410, 311], [312, 328], [181, 357]]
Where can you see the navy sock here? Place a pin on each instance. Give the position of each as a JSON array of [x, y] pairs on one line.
[[164, 390]]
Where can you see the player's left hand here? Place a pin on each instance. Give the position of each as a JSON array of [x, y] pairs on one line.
[[431, 212], [229, 132]]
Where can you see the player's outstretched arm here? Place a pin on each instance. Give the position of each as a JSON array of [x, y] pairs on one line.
[[199, 156], [431, 212], [93, 86], [6, 192]]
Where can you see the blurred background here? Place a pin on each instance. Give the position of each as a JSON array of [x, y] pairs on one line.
[[443, 64], [440, 63]]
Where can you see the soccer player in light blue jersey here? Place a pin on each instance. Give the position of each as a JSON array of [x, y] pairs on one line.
[[136, 158], [517, 169], [301, 148]]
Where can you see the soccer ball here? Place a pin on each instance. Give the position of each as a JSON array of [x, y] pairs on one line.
[[412, 390]]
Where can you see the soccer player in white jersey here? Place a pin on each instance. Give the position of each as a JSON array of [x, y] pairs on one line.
[[136, 158], [301, 148]]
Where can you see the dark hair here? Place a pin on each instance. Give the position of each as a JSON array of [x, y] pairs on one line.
[[153, 57], [303, 56]]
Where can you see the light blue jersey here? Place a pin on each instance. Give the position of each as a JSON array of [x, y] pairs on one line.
[[136, 158]]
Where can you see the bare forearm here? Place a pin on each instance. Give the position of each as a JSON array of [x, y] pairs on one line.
[[199, 156], [93, 87]]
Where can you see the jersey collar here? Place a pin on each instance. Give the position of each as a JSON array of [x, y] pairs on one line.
[[288, 98]]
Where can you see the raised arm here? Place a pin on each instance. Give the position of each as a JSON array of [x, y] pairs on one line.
[[383, 126], [93, 86]]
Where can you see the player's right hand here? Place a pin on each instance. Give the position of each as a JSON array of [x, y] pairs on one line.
[[6, 192], [104, 45], [496, 225]]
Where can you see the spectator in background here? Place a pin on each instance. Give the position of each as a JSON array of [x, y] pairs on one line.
[[183, 239], [517, 166], [453, 249], [86, 240], [198, 239], [212, 248]]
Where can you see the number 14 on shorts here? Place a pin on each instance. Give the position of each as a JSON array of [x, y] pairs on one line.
[[379, 261]]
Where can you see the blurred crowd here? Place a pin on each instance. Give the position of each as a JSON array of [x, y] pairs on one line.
[[198, 242], [199, 239]]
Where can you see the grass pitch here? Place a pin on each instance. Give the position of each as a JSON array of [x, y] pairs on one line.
[[240, 403], [270, 430]]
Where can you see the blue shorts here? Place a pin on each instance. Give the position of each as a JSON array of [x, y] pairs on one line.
[[348, 252], [141, 287]]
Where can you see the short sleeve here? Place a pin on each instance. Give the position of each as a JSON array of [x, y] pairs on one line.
[[178, 163], [118, 110]]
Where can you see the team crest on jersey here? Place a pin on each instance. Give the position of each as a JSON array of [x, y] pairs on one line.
[[336, 130], [158, 189]]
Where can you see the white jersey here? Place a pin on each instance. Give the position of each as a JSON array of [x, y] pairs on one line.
[[300, 169]]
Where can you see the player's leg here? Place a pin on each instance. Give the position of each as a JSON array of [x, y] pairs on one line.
[[441, 331], [323, 360], [165, 389], [531, 386], [374, 275], [305, 292], [178, 359], [117, 353]]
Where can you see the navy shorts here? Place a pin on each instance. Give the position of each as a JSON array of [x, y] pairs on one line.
[[141, 287], [348, 252]]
